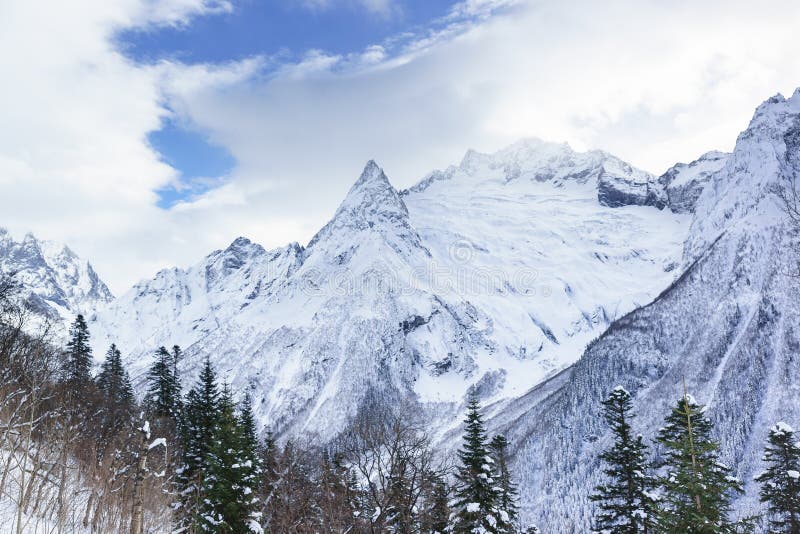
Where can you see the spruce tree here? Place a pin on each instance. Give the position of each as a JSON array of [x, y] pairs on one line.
[[163, 397], [201, 416], [250, 454], [508, 495], [339, 500], [229, 504], [476, 504], [625, 501], [780, 482], [78, 357], [696, 488], [113, 380], [399, 515], [436, 514]]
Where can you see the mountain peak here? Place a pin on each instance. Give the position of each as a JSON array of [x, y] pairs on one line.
[[371, 203], [55, 278], [371, 186]]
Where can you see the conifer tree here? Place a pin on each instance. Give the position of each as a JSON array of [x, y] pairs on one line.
[[78, 357], [780, 482], [163, 396], [696, 488], [229, 504], [508, 496], [476, 504], [626, 505], [113, 380], [436, 514], [177, 356], [399, 515], [250, 454], [339, 500], [201, 416]]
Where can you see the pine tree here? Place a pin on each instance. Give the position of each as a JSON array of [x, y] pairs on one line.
[[113, 380], [339, 495], [177, 356], [201, 416], [697, 488], [476, 506], [626, 505], [780, 487], [251, 458], [399, 515], [229, 504], [163, 397], [436, 513], [78, 357], [508, 495]]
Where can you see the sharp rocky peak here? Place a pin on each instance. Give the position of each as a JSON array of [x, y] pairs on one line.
[[371, 203]]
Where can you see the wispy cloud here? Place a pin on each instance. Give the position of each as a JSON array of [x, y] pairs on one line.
[[380, 8]]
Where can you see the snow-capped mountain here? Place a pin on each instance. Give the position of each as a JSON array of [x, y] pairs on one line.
[[493, 274], [728, 326], [56, 283]]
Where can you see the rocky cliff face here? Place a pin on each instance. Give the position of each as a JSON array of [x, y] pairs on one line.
[[684, 182]]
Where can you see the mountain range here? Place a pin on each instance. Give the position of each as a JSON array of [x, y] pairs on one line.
[[537, 278]]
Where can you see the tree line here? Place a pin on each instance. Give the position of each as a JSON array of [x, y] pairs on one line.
[[80, 451], [688, 490]]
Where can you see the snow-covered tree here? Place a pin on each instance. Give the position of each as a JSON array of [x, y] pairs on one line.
[[113, 380], [625, 501], [340, 500], [163, 397], [435, 514], [200, 419], [780, 482], [696, 487], [508, 496], [229, 503], [475, 508], [78, 357]]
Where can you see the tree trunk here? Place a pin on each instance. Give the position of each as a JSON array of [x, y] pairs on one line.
[[137, 514]]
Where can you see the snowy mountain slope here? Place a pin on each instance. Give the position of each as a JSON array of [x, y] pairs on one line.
[[182, 306], [55, 281], [729, 325], [493, 274]]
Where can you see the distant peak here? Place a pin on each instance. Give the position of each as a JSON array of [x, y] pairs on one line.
[[372, 174], [241, 247], [240, 242], [371, 187], [372, 201]]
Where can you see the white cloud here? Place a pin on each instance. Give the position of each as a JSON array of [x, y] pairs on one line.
[[74, 161], [380, 8], [651, 81]]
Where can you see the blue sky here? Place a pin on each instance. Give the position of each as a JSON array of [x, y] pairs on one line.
[[281, 29]]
